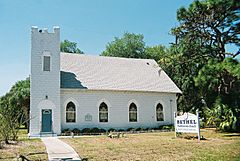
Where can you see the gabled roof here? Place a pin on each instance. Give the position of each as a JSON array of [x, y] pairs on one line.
[[112, 73]]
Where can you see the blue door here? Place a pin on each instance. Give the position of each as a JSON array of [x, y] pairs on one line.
[[46, 120]]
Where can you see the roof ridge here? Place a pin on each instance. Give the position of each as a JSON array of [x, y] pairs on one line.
[[110, 57]]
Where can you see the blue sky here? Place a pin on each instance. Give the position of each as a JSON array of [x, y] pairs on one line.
[[90, 23]]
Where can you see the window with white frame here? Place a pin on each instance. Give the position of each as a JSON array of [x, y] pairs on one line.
[[103, 112], [70, 112], [159, 112], [46, 63], [132, 113]]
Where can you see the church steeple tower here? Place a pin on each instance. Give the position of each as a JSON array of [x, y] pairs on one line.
[[45, 81]]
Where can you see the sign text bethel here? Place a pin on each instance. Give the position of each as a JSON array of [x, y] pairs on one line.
[[188, 123]]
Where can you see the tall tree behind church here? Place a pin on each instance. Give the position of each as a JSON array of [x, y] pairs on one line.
[[206, 28], [70, 47]]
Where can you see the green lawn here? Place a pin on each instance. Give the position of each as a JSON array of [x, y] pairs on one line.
[[159, 146], [32, 149], [148, 146]]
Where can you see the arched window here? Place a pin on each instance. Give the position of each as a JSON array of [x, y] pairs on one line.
[[103, 112], [159, 112], [132, 113], [70, 112]]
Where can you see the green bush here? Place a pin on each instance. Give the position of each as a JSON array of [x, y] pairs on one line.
[[111, 130], [168, 127], [76, 131], [131, 129], [160, 127], [86, 131], [202, 124], [95, 130], [102, 131], [139, 129], [222, 116], [66, 131]]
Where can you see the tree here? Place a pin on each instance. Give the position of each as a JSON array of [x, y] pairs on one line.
[[14, 110], [5, 118], [20, 98], [159, 53], [183, 67], [129, 46], [204, 69], [220, 83], [70, 47], [211, 23]]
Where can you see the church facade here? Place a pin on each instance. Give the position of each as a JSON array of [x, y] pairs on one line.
[[81, 91]]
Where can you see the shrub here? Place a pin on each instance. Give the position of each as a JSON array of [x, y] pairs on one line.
[[86, 131], [111, 130], [202, 124], [102, 131], [5, 130], [224, 117], [76, 131], [168, 127], [95, 130], [146, 129], [139, 129], [130, 129], [121, 130], [66, 131], [160, 127]]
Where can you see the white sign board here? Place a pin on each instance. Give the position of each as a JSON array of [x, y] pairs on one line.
[[188, 123]]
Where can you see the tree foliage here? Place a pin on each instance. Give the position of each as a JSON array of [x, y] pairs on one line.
[[213, 24], [219, 83], [70, 47], [132, 45], [205, 71], [14, 110], [158, 53], [129, 46]]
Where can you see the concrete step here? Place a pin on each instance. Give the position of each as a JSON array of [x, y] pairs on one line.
[[47, 134]]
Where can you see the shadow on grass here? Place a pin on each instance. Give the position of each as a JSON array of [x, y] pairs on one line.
[[23, 157], [36, 153], [189, 137], [231, 135], [7, 158]]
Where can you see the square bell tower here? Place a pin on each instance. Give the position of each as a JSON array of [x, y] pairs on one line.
[[45, 82]]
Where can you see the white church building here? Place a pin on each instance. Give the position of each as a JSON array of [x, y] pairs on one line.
[[84, 91]]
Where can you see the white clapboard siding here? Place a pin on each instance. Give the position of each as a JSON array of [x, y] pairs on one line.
[[87, 102]]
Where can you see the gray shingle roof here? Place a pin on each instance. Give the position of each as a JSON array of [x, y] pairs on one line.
[[112, 73]]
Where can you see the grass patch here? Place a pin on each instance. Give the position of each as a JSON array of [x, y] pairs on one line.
[[159, 146], [32, 149]]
